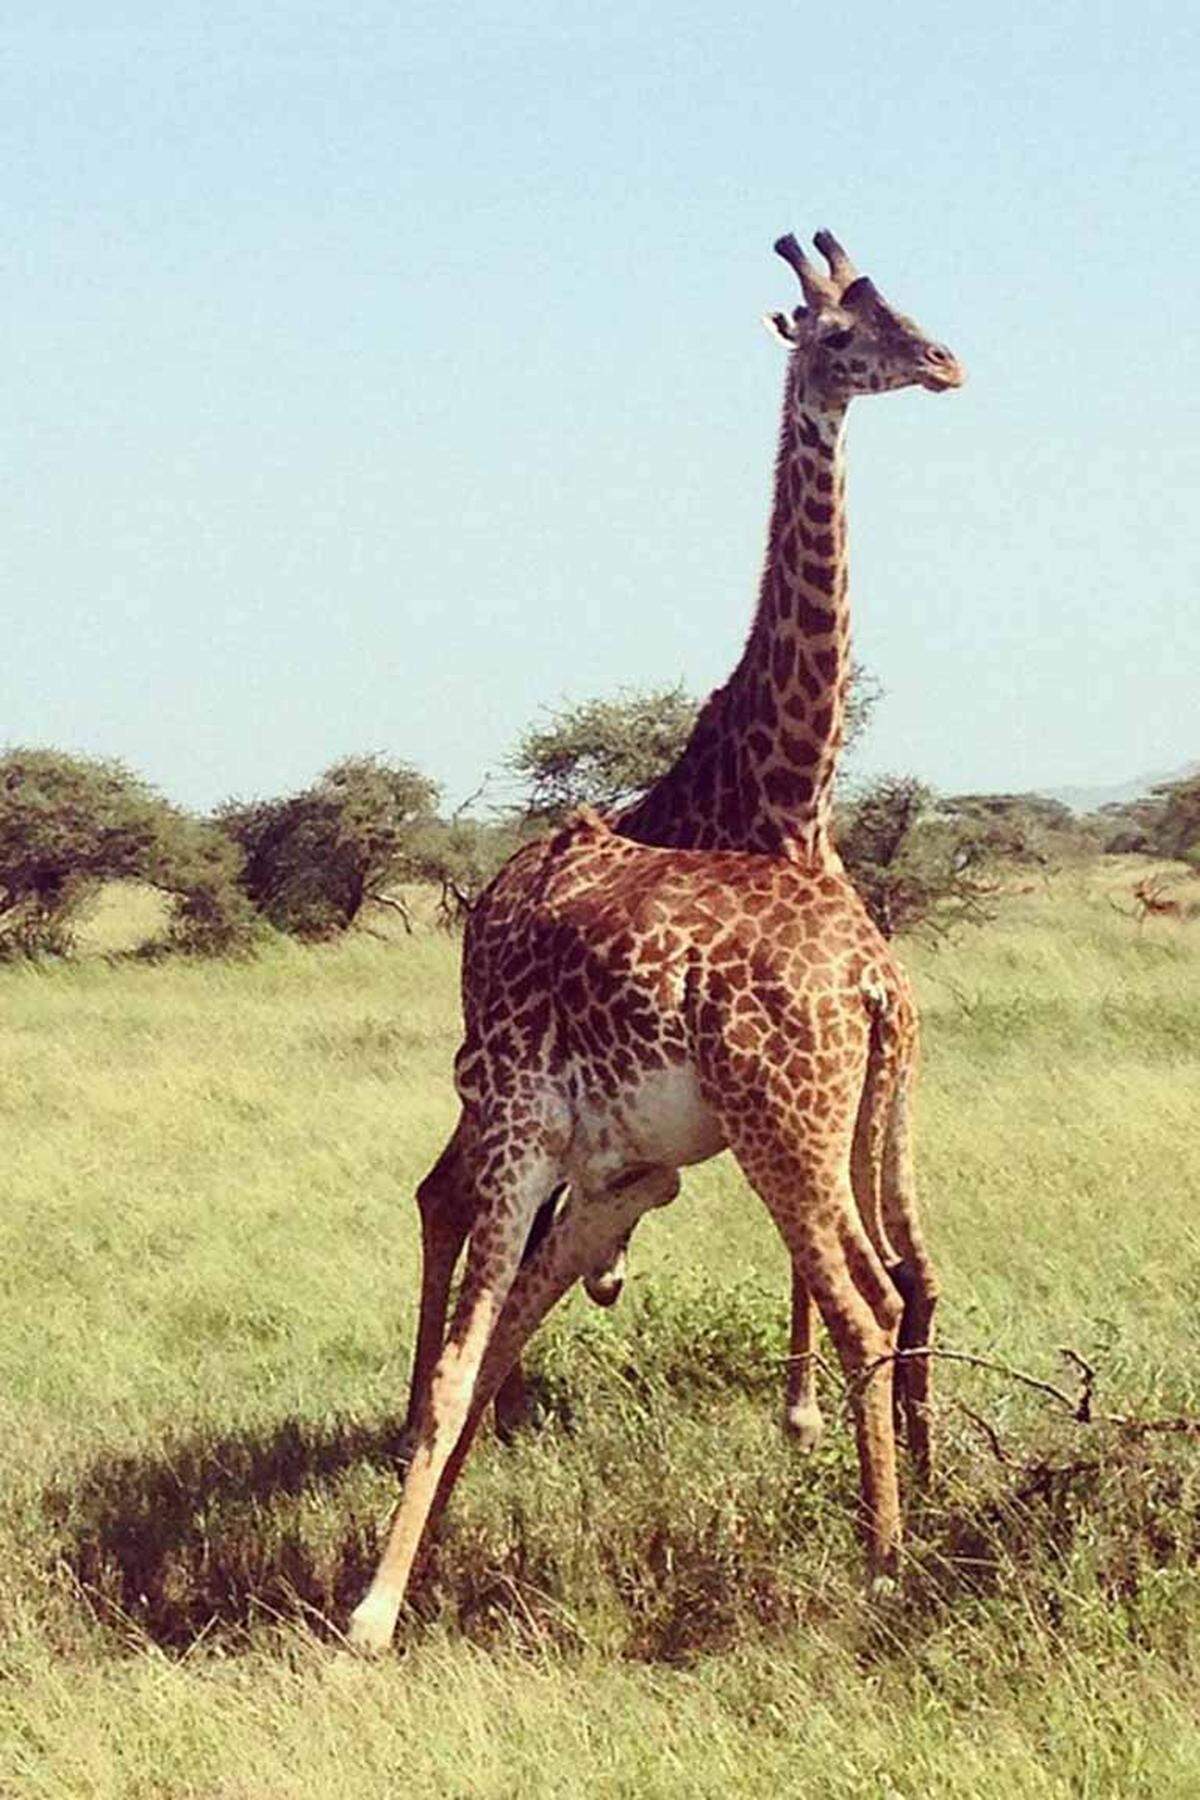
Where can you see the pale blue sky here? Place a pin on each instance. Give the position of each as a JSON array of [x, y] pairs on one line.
[[379, 374]]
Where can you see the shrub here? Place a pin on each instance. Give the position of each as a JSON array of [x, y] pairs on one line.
[[312, 860], [69, 823], [915, 866]]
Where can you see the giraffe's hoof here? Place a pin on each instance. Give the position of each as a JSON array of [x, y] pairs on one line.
[[804, 1425], [371, 1625]]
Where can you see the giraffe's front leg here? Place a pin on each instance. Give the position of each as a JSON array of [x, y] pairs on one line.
[[585, 1235], [447, 1204], [513, 1407], [509, 1193]]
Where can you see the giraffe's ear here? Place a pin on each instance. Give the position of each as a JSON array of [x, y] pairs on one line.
[[780, 326]]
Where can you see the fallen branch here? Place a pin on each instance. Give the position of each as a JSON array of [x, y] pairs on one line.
[[990, 1433], [1078, 1405]]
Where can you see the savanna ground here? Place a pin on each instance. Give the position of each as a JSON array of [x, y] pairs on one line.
[[208, 1258]]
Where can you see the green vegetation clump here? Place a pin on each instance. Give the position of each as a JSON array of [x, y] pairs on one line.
[[70, 824], [208, 1253], [1164, 822], [313, 860], [356, 842]]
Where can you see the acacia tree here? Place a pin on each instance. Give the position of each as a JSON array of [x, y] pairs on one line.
[[1029, 830], [605, 752], [69, 823], [459, 856], [313, 860], [915, 864], [600, 752], [1163, 822], [1177, 827]]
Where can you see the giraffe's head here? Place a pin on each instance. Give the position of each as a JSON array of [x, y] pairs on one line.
[[847, 340]]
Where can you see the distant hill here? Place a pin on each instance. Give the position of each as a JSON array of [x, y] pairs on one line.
[[1090, 799]]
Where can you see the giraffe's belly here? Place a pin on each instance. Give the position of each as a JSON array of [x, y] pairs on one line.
[[662, 1122]]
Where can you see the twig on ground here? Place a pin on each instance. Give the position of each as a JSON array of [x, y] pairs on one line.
[[1083, 1406], [989, 1431], [1079, 1405]]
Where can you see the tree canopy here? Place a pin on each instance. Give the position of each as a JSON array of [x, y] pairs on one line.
[[601, 752], [607, 751], [1029, 829], [1163, 822], [69, 823], [312, 860]]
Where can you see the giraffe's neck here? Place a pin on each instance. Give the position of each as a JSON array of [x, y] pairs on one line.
[[757, 772]]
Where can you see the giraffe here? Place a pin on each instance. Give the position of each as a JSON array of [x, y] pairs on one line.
[[758, 770], [633, 1008]]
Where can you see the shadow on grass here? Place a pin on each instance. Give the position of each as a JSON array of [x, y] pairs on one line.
[[213, 1534]]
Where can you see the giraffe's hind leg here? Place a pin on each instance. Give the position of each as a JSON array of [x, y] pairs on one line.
[[802, 1414], [801, 1171], [802, 1417], [819, 1221], [869, 1146], [885, 1187]]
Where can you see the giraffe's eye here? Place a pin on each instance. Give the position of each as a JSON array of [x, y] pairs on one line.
[[838, 340]]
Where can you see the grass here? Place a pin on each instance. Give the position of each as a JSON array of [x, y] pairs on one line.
[[208, 1274]]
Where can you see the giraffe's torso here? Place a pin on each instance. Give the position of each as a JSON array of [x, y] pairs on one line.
[[625, 997]]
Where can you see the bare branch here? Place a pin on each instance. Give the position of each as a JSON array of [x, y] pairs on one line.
[[982, 1362], [989, 1431], [1079, 1405], [472, 797], [396, 906]]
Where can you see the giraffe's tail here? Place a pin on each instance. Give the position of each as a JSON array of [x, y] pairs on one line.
[[885, 1186], [880, 1083]]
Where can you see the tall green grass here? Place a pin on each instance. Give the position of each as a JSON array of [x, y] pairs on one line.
[[208, 1267]]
